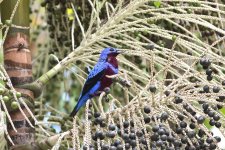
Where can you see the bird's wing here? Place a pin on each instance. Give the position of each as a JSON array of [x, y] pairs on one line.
[[94, 76], [83, 99]]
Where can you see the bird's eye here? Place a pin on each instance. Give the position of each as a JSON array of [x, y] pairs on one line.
[[111, 49]]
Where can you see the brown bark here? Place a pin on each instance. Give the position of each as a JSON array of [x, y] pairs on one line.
[[18, 64], [17, 59]]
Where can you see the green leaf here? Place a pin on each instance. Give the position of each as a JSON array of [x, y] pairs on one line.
[[157, 4], [206, 123], [222, 111]]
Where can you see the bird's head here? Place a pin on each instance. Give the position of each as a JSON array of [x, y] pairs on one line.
[[109, 51]]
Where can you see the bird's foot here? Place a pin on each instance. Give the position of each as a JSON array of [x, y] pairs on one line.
[[124, 82], [106, 90], [97, 93], [117, 78]]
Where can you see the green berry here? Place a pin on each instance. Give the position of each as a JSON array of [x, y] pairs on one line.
[[1, 90], [18, 94], [138, 38], [189, 11], [5, 99], [14, 105], [174, 37], [151, 21], [196, 4], [8, 22]]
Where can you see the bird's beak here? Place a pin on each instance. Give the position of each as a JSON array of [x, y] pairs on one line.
[[119, 51]]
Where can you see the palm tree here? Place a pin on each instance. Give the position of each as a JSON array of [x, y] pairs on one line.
[[18, 65]]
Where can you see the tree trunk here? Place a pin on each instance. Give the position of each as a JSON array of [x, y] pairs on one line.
[[17, 62]]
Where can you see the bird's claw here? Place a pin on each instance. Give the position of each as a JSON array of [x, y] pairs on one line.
[[123, 81]]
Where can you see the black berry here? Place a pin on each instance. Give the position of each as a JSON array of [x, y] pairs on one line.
[[206, 89], [152, 88], [216, 89], [126, 124], [183, 124], [147, 109]]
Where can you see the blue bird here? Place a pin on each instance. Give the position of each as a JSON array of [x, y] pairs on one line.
[[97, 79]]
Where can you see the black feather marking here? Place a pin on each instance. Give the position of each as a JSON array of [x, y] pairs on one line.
[[92, 81]]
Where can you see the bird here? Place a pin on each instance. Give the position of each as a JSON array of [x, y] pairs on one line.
[[97, 79]]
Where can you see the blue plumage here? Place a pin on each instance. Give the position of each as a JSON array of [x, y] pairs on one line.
[[97, 80]]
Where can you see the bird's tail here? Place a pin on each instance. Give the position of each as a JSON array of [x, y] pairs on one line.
[[82, 100]]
